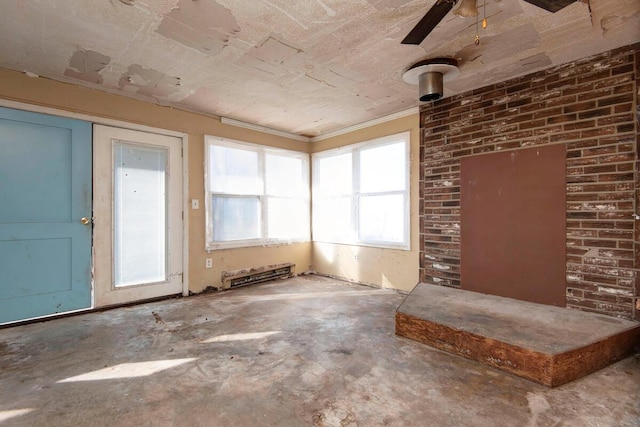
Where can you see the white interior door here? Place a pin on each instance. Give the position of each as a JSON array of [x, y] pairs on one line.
[[138, 223]]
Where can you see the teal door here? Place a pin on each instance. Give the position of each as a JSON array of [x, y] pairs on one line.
[[45, 201]]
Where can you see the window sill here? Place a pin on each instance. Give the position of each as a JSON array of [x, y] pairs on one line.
[[211, 247], [388, 246]]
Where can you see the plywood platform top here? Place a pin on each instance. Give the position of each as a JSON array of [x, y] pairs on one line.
[[542, 328]]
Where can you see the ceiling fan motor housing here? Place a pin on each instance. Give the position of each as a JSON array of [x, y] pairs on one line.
[[430, 76], [430, 86]]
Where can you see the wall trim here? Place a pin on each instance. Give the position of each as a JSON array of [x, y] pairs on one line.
[[35, 108]]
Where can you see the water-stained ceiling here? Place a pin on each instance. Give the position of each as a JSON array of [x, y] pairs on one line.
[[307, 66]]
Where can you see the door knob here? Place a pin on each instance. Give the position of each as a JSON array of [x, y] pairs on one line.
[[85, 220]]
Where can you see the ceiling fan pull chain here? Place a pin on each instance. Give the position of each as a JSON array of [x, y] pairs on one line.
[[477, 40], [484, 14]]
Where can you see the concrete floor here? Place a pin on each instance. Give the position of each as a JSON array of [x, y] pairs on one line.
[[307, 351]]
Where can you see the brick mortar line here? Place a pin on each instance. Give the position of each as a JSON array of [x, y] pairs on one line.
[[603, 286], [492, 123], [542, 127], [605, 294], [545, 113], [616, 302], [524, 148], [474, 112], [612, 144]]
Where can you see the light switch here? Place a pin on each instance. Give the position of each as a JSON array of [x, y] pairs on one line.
[[195, 204]]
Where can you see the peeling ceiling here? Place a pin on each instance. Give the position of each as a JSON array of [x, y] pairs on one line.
[[307, 66]]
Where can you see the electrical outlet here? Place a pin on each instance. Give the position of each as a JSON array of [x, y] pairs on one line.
[[195, 204], [208, 263]]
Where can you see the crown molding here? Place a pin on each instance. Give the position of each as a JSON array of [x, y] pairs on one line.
[[290, 135], [379, 120], [264, 129]]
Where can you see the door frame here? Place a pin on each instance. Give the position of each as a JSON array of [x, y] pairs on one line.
[[106, 292], [137, 127]]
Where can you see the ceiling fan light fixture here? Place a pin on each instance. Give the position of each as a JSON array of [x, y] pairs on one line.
[[465, 8]]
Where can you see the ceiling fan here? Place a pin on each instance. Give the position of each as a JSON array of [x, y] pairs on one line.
[[441, 7]]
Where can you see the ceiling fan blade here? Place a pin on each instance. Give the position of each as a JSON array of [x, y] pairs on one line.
[[429, 21], [551, 5]]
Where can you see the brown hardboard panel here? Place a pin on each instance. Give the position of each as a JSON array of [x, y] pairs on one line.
[[513, 229]]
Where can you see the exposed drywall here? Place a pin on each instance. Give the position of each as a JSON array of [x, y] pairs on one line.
[[86, 65], [148, 82], [201, 25], [386, 268], [40, 91]]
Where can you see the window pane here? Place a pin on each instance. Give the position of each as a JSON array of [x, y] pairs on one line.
[[235, 218], [382, 218], [383, 168], [140, 251], [334, 175], [288, 219], [332, 219], [285, 176], [234, 171]]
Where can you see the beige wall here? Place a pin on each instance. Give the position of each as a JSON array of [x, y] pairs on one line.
[[15, 86], [385, 268], [380, 267]]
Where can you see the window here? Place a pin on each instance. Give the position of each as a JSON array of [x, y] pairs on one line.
[[256, 195], [361, 193], [139, 214]]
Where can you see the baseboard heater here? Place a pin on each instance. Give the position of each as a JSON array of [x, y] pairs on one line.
[[249, 276]]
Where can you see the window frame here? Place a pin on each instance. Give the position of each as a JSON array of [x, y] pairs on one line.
[[262, 151], [353, 239]]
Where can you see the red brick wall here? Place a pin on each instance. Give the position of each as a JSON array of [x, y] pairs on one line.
[[637, 228], [589, 105]]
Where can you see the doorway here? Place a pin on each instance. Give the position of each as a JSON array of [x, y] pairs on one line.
[[138, 222]]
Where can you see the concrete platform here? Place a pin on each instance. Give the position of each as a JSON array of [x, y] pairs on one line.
[[546, 344]]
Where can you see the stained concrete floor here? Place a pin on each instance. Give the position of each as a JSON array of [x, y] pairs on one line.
[[307, 351]]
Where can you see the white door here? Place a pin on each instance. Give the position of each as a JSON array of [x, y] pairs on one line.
[[137, 187]]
